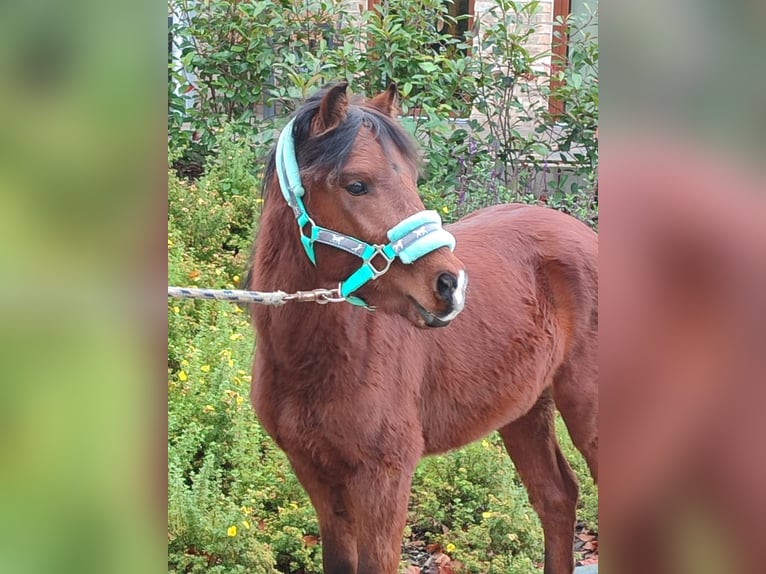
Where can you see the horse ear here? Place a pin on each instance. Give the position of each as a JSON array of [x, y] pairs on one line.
[[332, 110], [387, 101]]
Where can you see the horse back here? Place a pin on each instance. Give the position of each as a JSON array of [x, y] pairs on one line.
[[506, 244]]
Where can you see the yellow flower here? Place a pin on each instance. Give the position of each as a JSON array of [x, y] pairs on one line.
[[230, 363], [240, 399], [246, 524], [258, 200], [231, 532], [445, 209], [176, 309], [486, 515], [294, 505], [208, 409], [236, 336], [205, 368], [182, 376], [450, 547], [235, 279], [170, 243]]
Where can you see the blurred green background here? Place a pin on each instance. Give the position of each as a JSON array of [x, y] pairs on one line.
[[82, 217]]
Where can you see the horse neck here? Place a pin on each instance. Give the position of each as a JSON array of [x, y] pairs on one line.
[[281, 264]]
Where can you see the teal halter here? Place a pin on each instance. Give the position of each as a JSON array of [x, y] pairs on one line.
[[409, 240]]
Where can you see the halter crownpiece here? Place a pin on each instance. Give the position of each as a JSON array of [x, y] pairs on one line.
[[409, 240]]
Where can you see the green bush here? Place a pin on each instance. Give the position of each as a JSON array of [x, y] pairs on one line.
[[473, 500], [216, 213], [233, 503]]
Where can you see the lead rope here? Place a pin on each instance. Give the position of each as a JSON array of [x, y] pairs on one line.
[[320, 296]]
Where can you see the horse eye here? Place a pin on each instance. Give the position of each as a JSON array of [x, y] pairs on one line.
[[356, 188]]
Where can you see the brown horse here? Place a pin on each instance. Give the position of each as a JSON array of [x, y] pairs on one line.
[[357, 398]]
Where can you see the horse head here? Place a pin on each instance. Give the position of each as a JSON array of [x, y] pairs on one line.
[[363, 225]]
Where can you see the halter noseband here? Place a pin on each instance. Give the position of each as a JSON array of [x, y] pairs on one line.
[[409, 240]]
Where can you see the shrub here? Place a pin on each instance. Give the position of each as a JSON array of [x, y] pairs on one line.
[[217, 212], [233, 503]]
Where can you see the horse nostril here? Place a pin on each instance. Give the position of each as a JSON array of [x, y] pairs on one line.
[[446, 284]]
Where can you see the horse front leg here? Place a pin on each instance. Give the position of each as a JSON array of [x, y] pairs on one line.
[[380, 494], [336, 528]]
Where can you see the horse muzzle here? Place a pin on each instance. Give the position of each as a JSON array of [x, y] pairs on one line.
[[450, 289]]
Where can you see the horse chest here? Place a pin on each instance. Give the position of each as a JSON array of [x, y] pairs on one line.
[[335, 415]]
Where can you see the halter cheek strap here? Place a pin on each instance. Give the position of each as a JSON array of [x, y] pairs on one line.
[[409, 240]]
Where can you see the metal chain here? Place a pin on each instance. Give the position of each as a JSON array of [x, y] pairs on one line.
[[320, 296]]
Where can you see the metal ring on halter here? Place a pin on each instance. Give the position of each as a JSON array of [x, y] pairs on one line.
[[379, 251], [311, 225]]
